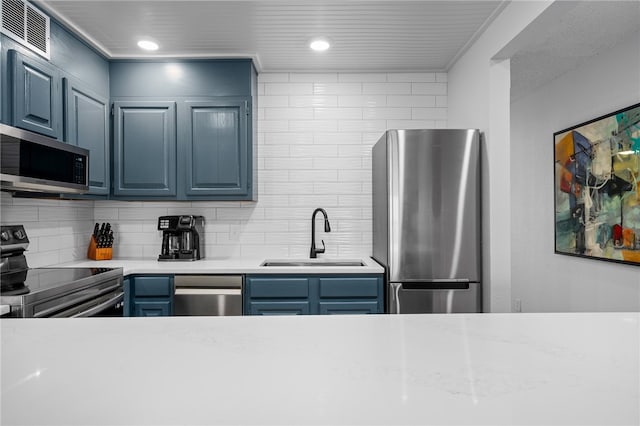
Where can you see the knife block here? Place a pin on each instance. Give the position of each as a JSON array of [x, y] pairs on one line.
[[96, 253]]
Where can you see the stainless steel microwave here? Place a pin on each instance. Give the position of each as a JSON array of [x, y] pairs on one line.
[[36, 163]]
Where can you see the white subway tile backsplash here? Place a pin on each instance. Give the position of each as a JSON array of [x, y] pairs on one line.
[[314, 151], [337, 138], [274, 175], [361, 175], [314, 137], [386, 113], [276, 101], [313, 200], [283, 138], [429, 113], [358, 151], [411, 101], [289, 89], [313, 175], [429, 88], [279, 163], [273, 77], [337, 188], [274, 151], [337, 113], [362, 77], [364, 101], [313, 77], [386, 88], [289, 114], [337, 88], [362, 125], [411, 77], [290, 213], [280, 188], [411, 124], [313, 101], [353, 200], [150, 213], [196, 211], [337, 163], [313, 125], [273, 126], [12, 215]]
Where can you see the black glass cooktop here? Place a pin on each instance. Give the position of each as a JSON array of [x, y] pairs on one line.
[[41, 279]]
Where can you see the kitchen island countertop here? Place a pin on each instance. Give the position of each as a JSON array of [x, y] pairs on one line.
[[471, 369], [225, 266]]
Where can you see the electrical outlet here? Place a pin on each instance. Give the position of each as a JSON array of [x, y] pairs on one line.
[[517, 305]]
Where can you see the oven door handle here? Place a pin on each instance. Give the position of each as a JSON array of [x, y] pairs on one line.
[[208, 291], [96, 309]]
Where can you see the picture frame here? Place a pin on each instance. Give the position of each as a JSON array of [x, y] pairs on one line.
[[596, 196]]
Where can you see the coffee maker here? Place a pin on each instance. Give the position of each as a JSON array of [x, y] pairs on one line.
[[182, 237]]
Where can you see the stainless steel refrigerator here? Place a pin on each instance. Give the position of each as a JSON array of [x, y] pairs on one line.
[[426, 219]]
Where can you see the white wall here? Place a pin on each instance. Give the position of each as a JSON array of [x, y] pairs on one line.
[[545, 281], [479, 98], [315, 133]]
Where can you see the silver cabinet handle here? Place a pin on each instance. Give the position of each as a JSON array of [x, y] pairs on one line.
[[207, 291]]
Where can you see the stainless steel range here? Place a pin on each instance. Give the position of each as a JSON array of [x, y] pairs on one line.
[[54, 292]]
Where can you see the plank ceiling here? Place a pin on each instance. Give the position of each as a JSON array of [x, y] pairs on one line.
[[366, 35]]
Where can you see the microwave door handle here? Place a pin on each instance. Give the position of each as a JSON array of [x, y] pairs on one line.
[[96, 309]]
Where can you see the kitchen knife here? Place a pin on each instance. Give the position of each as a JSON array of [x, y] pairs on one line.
[[96, 229]]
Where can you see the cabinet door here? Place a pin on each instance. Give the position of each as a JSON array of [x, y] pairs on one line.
[[86, 125], [36, 103], [216, 152], [278, 308], [350, 307], [144, 145], [152, 308]]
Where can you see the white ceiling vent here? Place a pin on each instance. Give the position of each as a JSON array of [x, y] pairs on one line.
[[27, 25]]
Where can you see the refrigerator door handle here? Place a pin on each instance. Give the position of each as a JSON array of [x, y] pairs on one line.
[[435, 285]]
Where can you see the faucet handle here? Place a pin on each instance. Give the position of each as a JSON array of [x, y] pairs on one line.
[[318, 250]]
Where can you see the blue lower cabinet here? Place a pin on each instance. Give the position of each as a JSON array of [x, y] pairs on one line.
[[148, 295], [313, 294], [278, 308], [151, 308], [350, 307]]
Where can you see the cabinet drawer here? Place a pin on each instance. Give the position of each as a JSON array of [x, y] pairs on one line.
[[349, 287], [295, 288], [278, 308], [153, 286], [145, 308], [351, 307]]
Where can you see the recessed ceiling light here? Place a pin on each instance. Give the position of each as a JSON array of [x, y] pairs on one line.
[[147, 45], [319, 44]]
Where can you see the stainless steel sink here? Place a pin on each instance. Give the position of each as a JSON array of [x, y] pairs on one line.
[[306, 263]]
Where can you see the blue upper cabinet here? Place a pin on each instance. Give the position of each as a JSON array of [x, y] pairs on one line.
[[212, 135], [144, 149], [86, 120], [215, 148], [36, 97]]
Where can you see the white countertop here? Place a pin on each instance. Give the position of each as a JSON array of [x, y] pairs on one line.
[[463, 369], [226, 266]]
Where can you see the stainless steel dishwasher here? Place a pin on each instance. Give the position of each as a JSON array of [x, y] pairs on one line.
[[208, 295]]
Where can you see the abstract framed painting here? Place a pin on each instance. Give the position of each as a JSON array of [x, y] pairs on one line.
[[597, 202]]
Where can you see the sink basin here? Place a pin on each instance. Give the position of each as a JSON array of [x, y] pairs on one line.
[[306, 263]]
